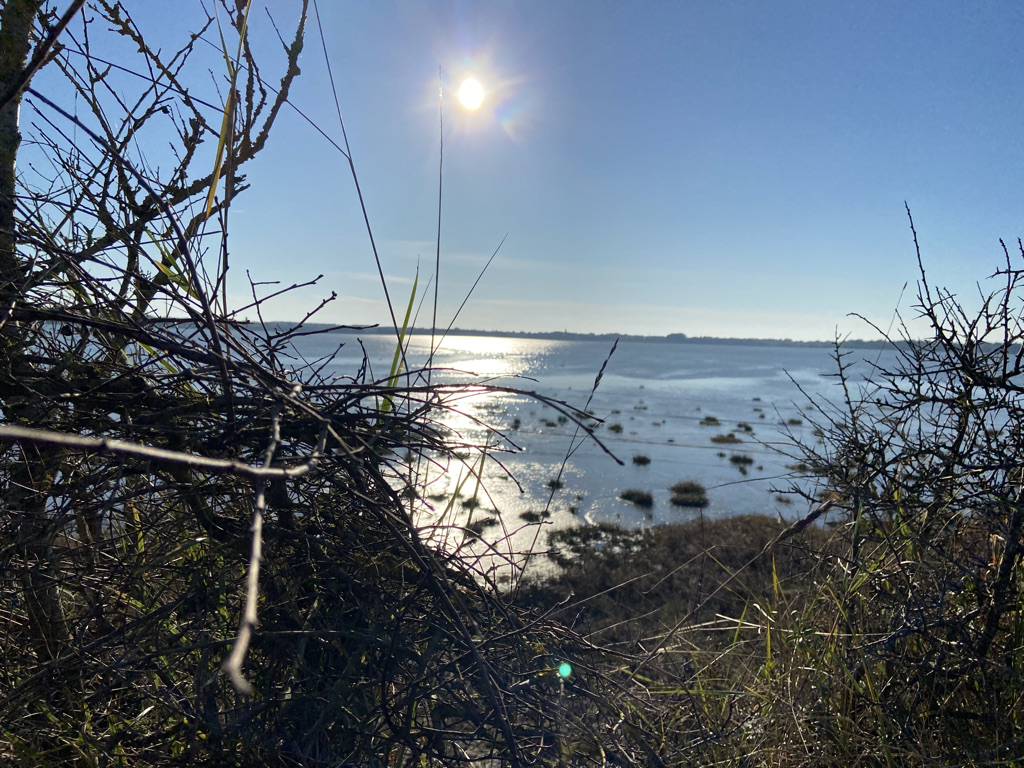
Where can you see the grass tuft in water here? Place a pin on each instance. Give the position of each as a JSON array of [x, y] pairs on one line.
[[640, 498], [688, 493]]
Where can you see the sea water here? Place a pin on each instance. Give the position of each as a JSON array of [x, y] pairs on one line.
[[662, 401]]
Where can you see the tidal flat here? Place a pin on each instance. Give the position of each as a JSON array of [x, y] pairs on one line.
[[668, 404]]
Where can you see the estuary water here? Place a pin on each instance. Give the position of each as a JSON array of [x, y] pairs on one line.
[[664, 402]]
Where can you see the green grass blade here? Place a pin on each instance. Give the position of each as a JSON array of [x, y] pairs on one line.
[[229, 106], [397, 362]]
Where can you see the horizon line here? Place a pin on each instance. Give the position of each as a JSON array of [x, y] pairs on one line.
[[675, 337]]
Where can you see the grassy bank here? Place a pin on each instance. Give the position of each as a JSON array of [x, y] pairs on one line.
[[758, 645], [623, 585]]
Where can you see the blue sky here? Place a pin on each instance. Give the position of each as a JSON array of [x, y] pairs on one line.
[[708, 168]]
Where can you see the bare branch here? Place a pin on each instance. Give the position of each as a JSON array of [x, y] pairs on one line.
[[31, 436]]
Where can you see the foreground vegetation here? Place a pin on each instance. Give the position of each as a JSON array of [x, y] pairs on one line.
[[211, 553]]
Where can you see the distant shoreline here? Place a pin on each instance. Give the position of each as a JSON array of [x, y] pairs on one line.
[[672, 338]]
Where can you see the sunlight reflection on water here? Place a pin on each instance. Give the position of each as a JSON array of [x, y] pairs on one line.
[[653, 400]]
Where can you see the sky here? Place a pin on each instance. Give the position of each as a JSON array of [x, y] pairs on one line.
[[713, 168]]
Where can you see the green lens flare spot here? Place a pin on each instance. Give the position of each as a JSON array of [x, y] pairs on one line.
[[564, 669]]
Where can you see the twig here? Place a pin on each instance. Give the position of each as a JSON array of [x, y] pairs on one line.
[[12, 434], [233, 665]]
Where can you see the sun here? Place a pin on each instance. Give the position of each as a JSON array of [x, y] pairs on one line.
[[471, 94]]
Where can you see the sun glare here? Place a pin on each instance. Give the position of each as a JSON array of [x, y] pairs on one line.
[[471, 94]]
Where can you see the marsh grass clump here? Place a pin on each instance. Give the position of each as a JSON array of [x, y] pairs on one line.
[[534, 516], [640, 498], [554, 484], [710, 421], [688, 493], [688, 500], [687, 486], [726, 439], [741, 459], [476, 528], [641, 460], [615, 428]]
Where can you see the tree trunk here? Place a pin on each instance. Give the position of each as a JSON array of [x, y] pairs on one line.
[[32, 472], [15, 36]]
